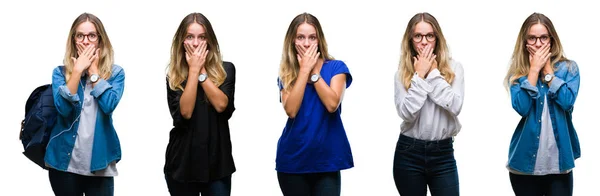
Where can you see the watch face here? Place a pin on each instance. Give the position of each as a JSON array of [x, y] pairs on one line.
[[548, 77], [94, 78], [202, 77], [314, 78]]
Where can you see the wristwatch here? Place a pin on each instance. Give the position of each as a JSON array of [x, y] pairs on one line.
[[94, 78], [202, 77], [548, 78], [314, 78]]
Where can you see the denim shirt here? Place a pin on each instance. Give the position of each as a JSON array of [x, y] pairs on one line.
[[528, 101], [106, 147]]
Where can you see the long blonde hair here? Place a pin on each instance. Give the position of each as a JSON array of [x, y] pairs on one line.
[[519, 65], [406, 68], [105, 62], [178, 67], [289, 66]]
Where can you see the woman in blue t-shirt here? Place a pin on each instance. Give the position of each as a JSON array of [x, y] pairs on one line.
[[313, 147]]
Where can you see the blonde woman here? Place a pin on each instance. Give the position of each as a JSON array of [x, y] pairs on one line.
[[429, 94], [543, 87], [313, 147], [84, 148], [200, 94]]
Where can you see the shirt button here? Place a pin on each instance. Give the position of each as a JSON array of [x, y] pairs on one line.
[[542, 103], [533, 155], [538, 137], [69, 154], [540, 120]]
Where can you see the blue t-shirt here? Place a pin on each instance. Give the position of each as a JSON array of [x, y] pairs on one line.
[[315, 141]]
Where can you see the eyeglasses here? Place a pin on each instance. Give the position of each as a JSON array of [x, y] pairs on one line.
[[91, 37], [419, 37], [544, 39]]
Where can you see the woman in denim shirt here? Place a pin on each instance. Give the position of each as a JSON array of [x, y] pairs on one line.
[[543, 87], [84, 148]]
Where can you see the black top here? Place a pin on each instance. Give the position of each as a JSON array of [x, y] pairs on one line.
[[199, 148]]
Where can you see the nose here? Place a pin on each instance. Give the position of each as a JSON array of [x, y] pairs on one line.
[[306, 43], [196, 42], [86, 40], [538, 42]]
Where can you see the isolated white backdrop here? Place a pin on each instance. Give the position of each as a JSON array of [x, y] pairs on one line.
[[366, 35]]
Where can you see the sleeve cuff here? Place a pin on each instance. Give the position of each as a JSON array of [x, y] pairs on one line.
[[421, 84], [100, 87], [532, 90], [66, 93], [554, 86], [433, 74]]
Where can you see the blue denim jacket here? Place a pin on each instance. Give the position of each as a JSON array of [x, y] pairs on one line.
[[106, 147], [528, 101]]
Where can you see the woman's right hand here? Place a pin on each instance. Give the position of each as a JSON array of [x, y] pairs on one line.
[[86, 54], [538, 58], [424, 61], [195, 57], [307, 58]]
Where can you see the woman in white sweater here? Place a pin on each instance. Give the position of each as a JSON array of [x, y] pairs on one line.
[[429, 94]]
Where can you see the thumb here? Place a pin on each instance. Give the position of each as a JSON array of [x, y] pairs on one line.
[[298, 56], [187, 56]]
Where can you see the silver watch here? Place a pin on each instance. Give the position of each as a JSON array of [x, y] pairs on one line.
[[94, 78], [548, 78], [202, 77], [314, 78]]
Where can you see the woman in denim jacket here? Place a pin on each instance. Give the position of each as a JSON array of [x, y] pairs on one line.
[[84, 148], [543, 87]]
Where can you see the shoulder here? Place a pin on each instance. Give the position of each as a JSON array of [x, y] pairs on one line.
[[229, 67], [58, 70], [336, 62], [397, 75], [337, 66], [569, 65], [456, 65], [117, 69]]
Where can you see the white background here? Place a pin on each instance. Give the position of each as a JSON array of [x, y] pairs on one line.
[[365, 35]]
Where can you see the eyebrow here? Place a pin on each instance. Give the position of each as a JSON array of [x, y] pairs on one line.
[[79, 32], [300, 34], [532, 35], [419, 33], [201, 34]]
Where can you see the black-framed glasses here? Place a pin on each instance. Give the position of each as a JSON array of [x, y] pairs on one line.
[[419, 37], [90, 36], [544, 39]]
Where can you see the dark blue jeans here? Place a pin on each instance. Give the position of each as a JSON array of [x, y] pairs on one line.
[[419, 163], [554, 184], [310, 184], [221, 187], [70, 184]]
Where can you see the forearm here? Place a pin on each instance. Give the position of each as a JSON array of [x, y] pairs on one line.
[[328, 96], [293, 99], [216, 97], [187, 101], [532, 77], [73, 82]]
